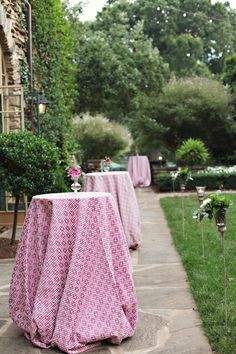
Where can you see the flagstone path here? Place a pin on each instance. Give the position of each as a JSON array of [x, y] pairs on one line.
[[168, 319]]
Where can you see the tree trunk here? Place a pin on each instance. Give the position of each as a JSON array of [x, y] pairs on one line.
[[13, 236]]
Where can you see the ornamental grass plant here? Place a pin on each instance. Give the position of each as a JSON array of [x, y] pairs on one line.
[[205, 275]]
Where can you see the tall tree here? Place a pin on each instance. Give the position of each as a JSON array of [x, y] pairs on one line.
[[191, 35], [196, 108], [229, 72], [115, 67]]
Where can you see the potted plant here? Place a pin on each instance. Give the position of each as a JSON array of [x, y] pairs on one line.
[[214, 206], [183, 174]]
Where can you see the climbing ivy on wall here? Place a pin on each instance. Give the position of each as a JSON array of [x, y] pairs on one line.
[[54, 69]]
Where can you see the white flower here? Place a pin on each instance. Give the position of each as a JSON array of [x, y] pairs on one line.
[[219, 170], [205, 202], [174, 175]]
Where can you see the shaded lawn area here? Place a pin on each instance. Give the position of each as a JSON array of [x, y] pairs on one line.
[[206, 275]]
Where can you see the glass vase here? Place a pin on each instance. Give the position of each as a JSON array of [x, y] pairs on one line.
[[106, 168], [220, 219], [75, 185]]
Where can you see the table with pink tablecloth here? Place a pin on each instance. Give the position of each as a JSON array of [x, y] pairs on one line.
[[120, 186], [139, 170], [72, 283]]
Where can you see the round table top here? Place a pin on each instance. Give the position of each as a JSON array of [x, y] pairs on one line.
[[109, 173], [71, 195]]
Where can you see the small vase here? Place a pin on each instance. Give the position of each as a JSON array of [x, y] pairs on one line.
[[106, 168], [75, 185], [200, 193], [220, 219], [220, 216]]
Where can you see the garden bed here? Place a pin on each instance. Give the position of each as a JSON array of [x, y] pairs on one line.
[[205, 274]]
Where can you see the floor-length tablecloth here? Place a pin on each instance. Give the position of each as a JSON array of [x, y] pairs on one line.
[[139, 170], [120, 186], [72, 284]]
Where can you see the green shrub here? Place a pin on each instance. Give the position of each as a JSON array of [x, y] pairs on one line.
[[211, 181], [28, 164], [192, 152], [98, 137]]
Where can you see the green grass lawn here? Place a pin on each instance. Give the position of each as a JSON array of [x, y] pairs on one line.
[[206, 275]]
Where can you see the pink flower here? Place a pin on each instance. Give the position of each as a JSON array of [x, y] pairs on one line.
[[107, 161], [74, 172]]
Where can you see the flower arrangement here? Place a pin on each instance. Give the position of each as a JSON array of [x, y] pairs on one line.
[[107, 161], [106, 164], [173, 175], [213, 206], [183, 173], [74, 172], [216, 206]]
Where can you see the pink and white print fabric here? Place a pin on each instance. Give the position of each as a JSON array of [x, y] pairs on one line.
[[120, 186], [72, 284], [139, 170]]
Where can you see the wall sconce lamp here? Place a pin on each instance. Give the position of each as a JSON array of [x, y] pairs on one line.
[[40, 103]]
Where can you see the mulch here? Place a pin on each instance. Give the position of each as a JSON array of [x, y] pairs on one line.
[[6, 249]]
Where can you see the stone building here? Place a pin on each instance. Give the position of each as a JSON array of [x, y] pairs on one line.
[[13, 54]]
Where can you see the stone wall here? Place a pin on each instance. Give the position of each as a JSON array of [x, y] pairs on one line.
[[12, 37]]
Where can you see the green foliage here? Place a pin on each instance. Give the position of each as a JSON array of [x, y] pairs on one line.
[[97, 138], [229, 73], [188, 33], [196, 108], [211, 181], [206, 275], [184, 173], [192, 152], [28, 164], [214, 205], [54, 44], [119, 70]]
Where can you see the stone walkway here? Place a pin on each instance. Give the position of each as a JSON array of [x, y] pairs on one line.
[[168, 321]]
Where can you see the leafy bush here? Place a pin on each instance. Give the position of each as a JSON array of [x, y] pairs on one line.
[[28, 165], [98, 137], [192, 152], [196, 108], [211, 181]]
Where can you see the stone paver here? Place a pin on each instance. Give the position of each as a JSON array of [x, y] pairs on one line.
[[168, 322]]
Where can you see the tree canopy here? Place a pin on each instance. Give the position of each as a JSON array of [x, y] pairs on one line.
[[193, 108], [115, 68], [191, 35], [153, 65]]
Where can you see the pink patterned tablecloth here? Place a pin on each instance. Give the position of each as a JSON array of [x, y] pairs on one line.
[[139, 170], [120, 186], [72, 284]]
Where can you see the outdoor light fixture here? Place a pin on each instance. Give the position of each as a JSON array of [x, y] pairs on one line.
[[160, 158], [40, 103]]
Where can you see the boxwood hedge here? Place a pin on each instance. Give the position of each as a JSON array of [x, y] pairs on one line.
[[212, 181]]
